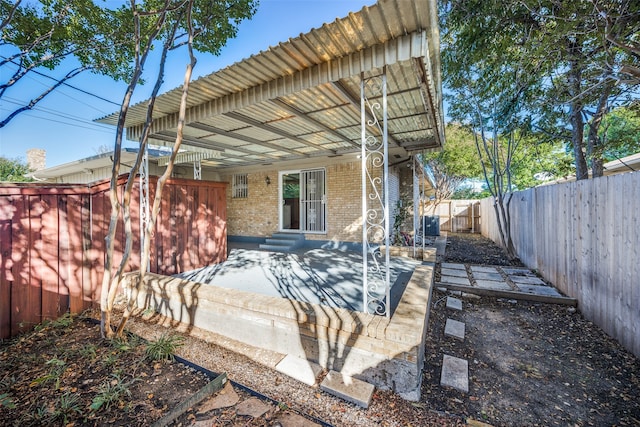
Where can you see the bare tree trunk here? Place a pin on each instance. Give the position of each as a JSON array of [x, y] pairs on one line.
[[165, 176], [595, 144], [109, 286]]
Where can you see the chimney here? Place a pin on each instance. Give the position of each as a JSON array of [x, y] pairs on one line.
[[36, 159]]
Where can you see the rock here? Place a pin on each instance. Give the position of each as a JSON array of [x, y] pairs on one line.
[[225, 398], [253, 407]]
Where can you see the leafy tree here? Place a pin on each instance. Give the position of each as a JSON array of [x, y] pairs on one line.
[[195, 24], [71, 37], [456, 162], [13, 170], [564, 58], [620, 132]]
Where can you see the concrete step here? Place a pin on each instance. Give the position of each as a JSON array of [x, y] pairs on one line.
[[350, 389], [455, 373], [283, 242], [454, 329], [299, 369]]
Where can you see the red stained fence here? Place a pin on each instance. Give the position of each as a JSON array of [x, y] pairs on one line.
[[52, 241]]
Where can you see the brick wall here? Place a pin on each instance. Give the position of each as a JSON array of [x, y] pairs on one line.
[[257, 215]]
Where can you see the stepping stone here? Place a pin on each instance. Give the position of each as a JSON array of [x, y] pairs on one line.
[[225, 398], [455, 373], [252, 407], [454, 303], [295, 420], [455, 280], [453, 272], [539, 290], [493, 285], [482, 269], [487, 276], [453, 266], [518, 271], [299, 369], [350, 389], [527, 280], [454, 329]]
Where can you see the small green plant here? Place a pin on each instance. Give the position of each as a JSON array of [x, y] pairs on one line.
[[6, 401], [62, 322], [111, 392], [110, 360], [164, 348], [66, 407], [57, 369], [120, 344], [88, 351]]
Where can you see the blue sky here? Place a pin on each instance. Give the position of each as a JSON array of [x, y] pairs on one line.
[[62, 124]]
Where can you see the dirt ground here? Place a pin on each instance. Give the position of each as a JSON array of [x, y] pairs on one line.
[[529, 364]]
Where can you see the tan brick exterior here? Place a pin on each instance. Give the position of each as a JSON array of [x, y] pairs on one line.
[[257, 215]]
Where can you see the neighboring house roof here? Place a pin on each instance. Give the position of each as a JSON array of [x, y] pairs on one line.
[[626, 164], [89, 164], [301, 98]]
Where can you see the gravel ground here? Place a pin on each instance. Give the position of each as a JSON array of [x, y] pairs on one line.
[[529, 364]]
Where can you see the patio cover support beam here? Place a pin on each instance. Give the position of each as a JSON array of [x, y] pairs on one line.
[[235, 135], [277, 131], [375, 196], [288, 108], [354, 103], [400, 49]]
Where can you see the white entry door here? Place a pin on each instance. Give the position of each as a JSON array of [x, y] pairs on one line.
[[303, 201]]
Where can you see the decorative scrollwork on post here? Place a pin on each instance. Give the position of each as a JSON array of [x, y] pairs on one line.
[[375, 195]]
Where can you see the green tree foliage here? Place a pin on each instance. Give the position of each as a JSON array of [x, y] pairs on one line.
[[202, 25], [556, 66], [13, 170], [620, 132], [71, 37]]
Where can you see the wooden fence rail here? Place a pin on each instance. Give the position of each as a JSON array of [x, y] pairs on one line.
[[52, 243], [584, 237]]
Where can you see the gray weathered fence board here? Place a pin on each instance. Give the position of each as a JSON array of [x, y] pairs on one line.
[[584, 238]]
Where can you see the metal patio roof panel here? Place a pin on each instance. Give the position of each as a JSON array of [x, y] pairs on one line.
[[301, 98], [352, 33]]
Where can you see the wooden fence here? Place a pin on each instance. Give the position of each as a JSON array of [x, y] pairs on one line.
[[457, 216], [584, 237], [52, 243]]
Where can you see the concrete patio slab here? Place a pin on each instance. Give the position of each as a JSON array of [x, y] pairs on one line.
[[493, 284], [455, 373], [487, 276], [455, 280], [539, 290], [483, 269], [453, 272], [348, 388], [527, 280], [520, 271], [454, 266]]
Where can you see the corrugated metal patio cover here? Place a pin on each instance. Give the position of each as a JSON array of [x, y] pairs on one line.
[[301, 98]]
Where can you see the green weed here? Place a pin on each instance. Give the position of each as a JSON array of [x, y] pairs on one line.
[[164, 348], [112, 392]]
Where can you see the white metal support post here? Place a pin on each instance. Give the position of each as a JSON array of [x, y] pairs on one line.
[[144, 200], [375, 194], [197, 170]]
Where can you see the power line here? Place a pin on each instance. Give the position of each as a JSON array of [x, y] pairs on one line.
[[67, 84]]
